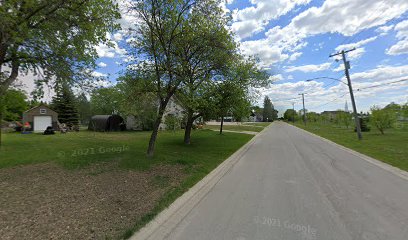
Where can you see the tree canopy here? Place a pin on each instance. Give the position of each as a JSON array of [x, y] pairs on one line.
[[54, 38], [15, 103], [269, 112]]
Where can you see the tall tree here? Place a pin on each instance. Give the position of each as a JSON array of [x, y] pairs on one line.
[[382, 119], [165, 28], [268, 110], [106, 101], [65, 105], [290, 115], [205, 51], [139, 99], [15, 103], [228, 96], [84, 109], [53, 38]]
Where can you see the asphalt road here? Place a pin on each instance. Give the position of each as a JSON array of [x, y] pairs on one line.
[[291, 185]]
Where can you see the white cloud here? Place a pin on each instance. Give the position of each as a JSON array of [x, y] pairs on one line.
[[319, 98], [384, 29], [309, 68], [246, 28], [267, 53], [102, 64], [117, 36], [260, 13], [110, 52], [356, 44], [295, 56], [381, 73], [276, 78], [104, 51], [99, 74], [353, 55], [401, 47], [348, 17]]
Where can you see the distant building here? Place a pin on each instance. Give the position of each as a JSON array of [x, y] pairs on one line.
[[346, 107], [331, 114], [173, 108]]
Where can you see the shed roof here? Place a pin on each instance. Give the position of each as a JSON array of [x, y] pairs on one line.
[[42, 105]]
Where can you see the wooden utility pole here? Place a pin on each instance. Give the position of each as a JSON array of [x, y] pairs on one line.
[[293, 117], [304, 110], [346, 70]]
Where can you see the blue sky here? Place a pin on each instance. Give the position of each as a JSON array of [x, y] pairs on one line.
[[293, 40]]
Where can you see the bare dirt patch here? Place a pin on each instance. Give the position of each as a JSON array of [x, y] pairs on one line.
[[46, 201]]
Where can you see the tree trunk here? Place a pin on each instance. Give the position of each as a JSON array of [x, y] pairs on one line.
[[222, 124], [189, 126], [1, 114], [153, 137], [1, 120]]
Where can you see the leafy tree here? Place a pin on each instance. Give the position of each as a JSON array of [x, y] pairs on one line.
[[343, 118], [206, 50], [138, 99], [158, 35], [172, 122], [84, 109], [312, 116], [238, 76], [15, 103], [382, 118], [268, 110], [106, 101], [290, 115], [54, 38], [227, 96], [178, 40], [65, 105]]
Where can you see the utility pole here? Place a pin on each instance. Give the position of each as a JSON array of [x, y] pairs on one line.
[[346, 70], [293, 118], [304, 110]]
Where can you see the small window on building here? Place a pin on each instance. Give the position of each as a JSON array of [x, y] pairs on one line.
[[43, 111]]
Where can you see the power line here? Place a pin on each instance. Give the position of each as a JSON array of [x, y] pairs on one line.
[[380, 85], [324, 104]]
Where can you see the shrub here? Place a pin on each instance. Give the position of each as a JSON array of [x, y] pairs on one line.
[[382, 119], [172, 122]]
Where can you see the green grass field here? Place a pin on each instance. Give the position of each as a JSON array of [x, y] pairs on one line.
[[77, 150], [73, 150], [391, 148], [252, 127]]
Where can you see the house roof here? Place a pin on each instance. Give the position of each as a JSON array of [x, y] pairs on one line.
[[41, 105]]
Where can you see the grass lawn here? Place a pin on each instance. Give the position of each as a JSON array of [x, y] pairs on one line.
[[255, 127], [76, 151], [391, 148]]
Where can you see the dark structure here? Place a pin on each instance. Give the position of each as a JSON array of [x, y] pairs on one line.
[[40, 118], [107, 123], [49, 131]]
